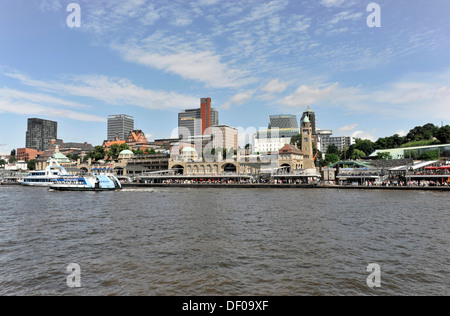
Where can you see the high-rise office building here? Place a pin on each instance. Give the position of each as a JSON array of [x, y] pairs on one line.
[[341, 142], [189, 123], [120, 126], [225, 136], [312, 119], [283, 121], [281, 129], [197, 122], [39, 133]]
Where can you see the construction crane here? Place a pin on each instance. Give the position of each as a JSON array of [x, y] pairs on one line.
[[315, 157]]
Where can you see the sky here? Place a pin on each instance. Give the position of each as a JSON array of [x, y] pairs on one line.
[[254, 58]]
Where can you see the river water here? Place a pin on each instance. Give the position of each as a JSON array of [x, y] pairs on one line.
[[178, 241]]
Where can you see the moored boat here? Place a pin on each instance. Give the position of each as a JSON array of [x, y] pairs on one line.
[[87, 183], [44, 178]]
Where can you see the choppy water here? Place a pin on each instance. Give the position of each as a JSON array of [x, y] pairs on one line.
[[224, 242]]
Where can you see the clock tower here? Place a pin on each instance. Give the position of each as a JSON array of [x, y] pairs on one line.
[[307, 147]]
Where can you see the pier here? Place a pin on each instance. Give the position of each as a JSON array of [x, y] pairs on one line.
[[282, 186]]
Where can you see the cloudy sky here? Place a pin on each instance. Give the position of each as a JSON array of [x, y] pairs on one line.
[[254, 58]]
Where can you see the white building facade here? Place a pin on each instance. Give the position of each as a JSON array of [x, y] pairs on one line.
[[225, 136], [272, 140]]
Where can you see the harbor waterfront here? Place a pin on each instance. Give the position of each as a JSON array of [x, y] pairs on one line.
[[189, 241], [282, 186]]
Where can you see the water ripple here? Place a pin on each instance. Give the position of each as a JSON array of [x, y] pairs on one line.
[[223, 242]]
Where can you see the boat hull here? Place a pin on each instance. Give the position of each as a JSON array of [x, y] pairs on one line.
[[36, 184], [79, 189], [91, 183]]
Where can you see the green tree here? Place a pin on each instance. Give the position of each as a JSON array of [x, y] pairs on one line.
[[115, 149], [390, 142], [318, 155], [414, 154], [331, 159], [333, 149], [98, 153], [384, 156], [422, 132], [365, 145], [138, 152], [12, 159], [150, 151], [297, 140], [357, 154], [31, 165], [443, 134], [2, 162], [431, 155]]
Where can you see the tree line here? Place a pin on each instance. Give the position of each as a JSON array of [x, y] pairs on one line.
[[100, 153], [428, 134]]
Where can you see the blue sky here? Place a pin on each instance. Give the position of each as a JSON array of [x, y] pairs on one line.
[[151, 59]]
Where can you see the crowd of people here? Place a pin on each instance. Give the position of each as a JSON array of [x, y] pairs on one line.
[[225, 181], [396, 183]]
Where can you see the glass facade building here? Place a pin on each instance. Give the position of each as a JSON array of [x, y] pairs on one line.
[[283, 121], [40, 133], [119, 126], [195, 122]]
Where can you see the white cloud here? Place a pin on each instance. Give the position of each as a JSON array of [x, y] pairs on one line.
[[347, 128], [345, 16], [428, 96], [330, 95], [150, 17], [331, 3], [21, 107], [267, 9], [50, 5], [149, 136], [119, 91], [366, 135], [414, 97], [275, 86], [207, 2], [7, 93], [5, 149], [185, 61], [113, 91], [239, 99], [401, 133]]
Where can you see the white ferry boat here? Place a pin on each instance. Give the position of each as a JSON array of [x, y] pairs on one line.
[[88, 183], [44, 178]]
